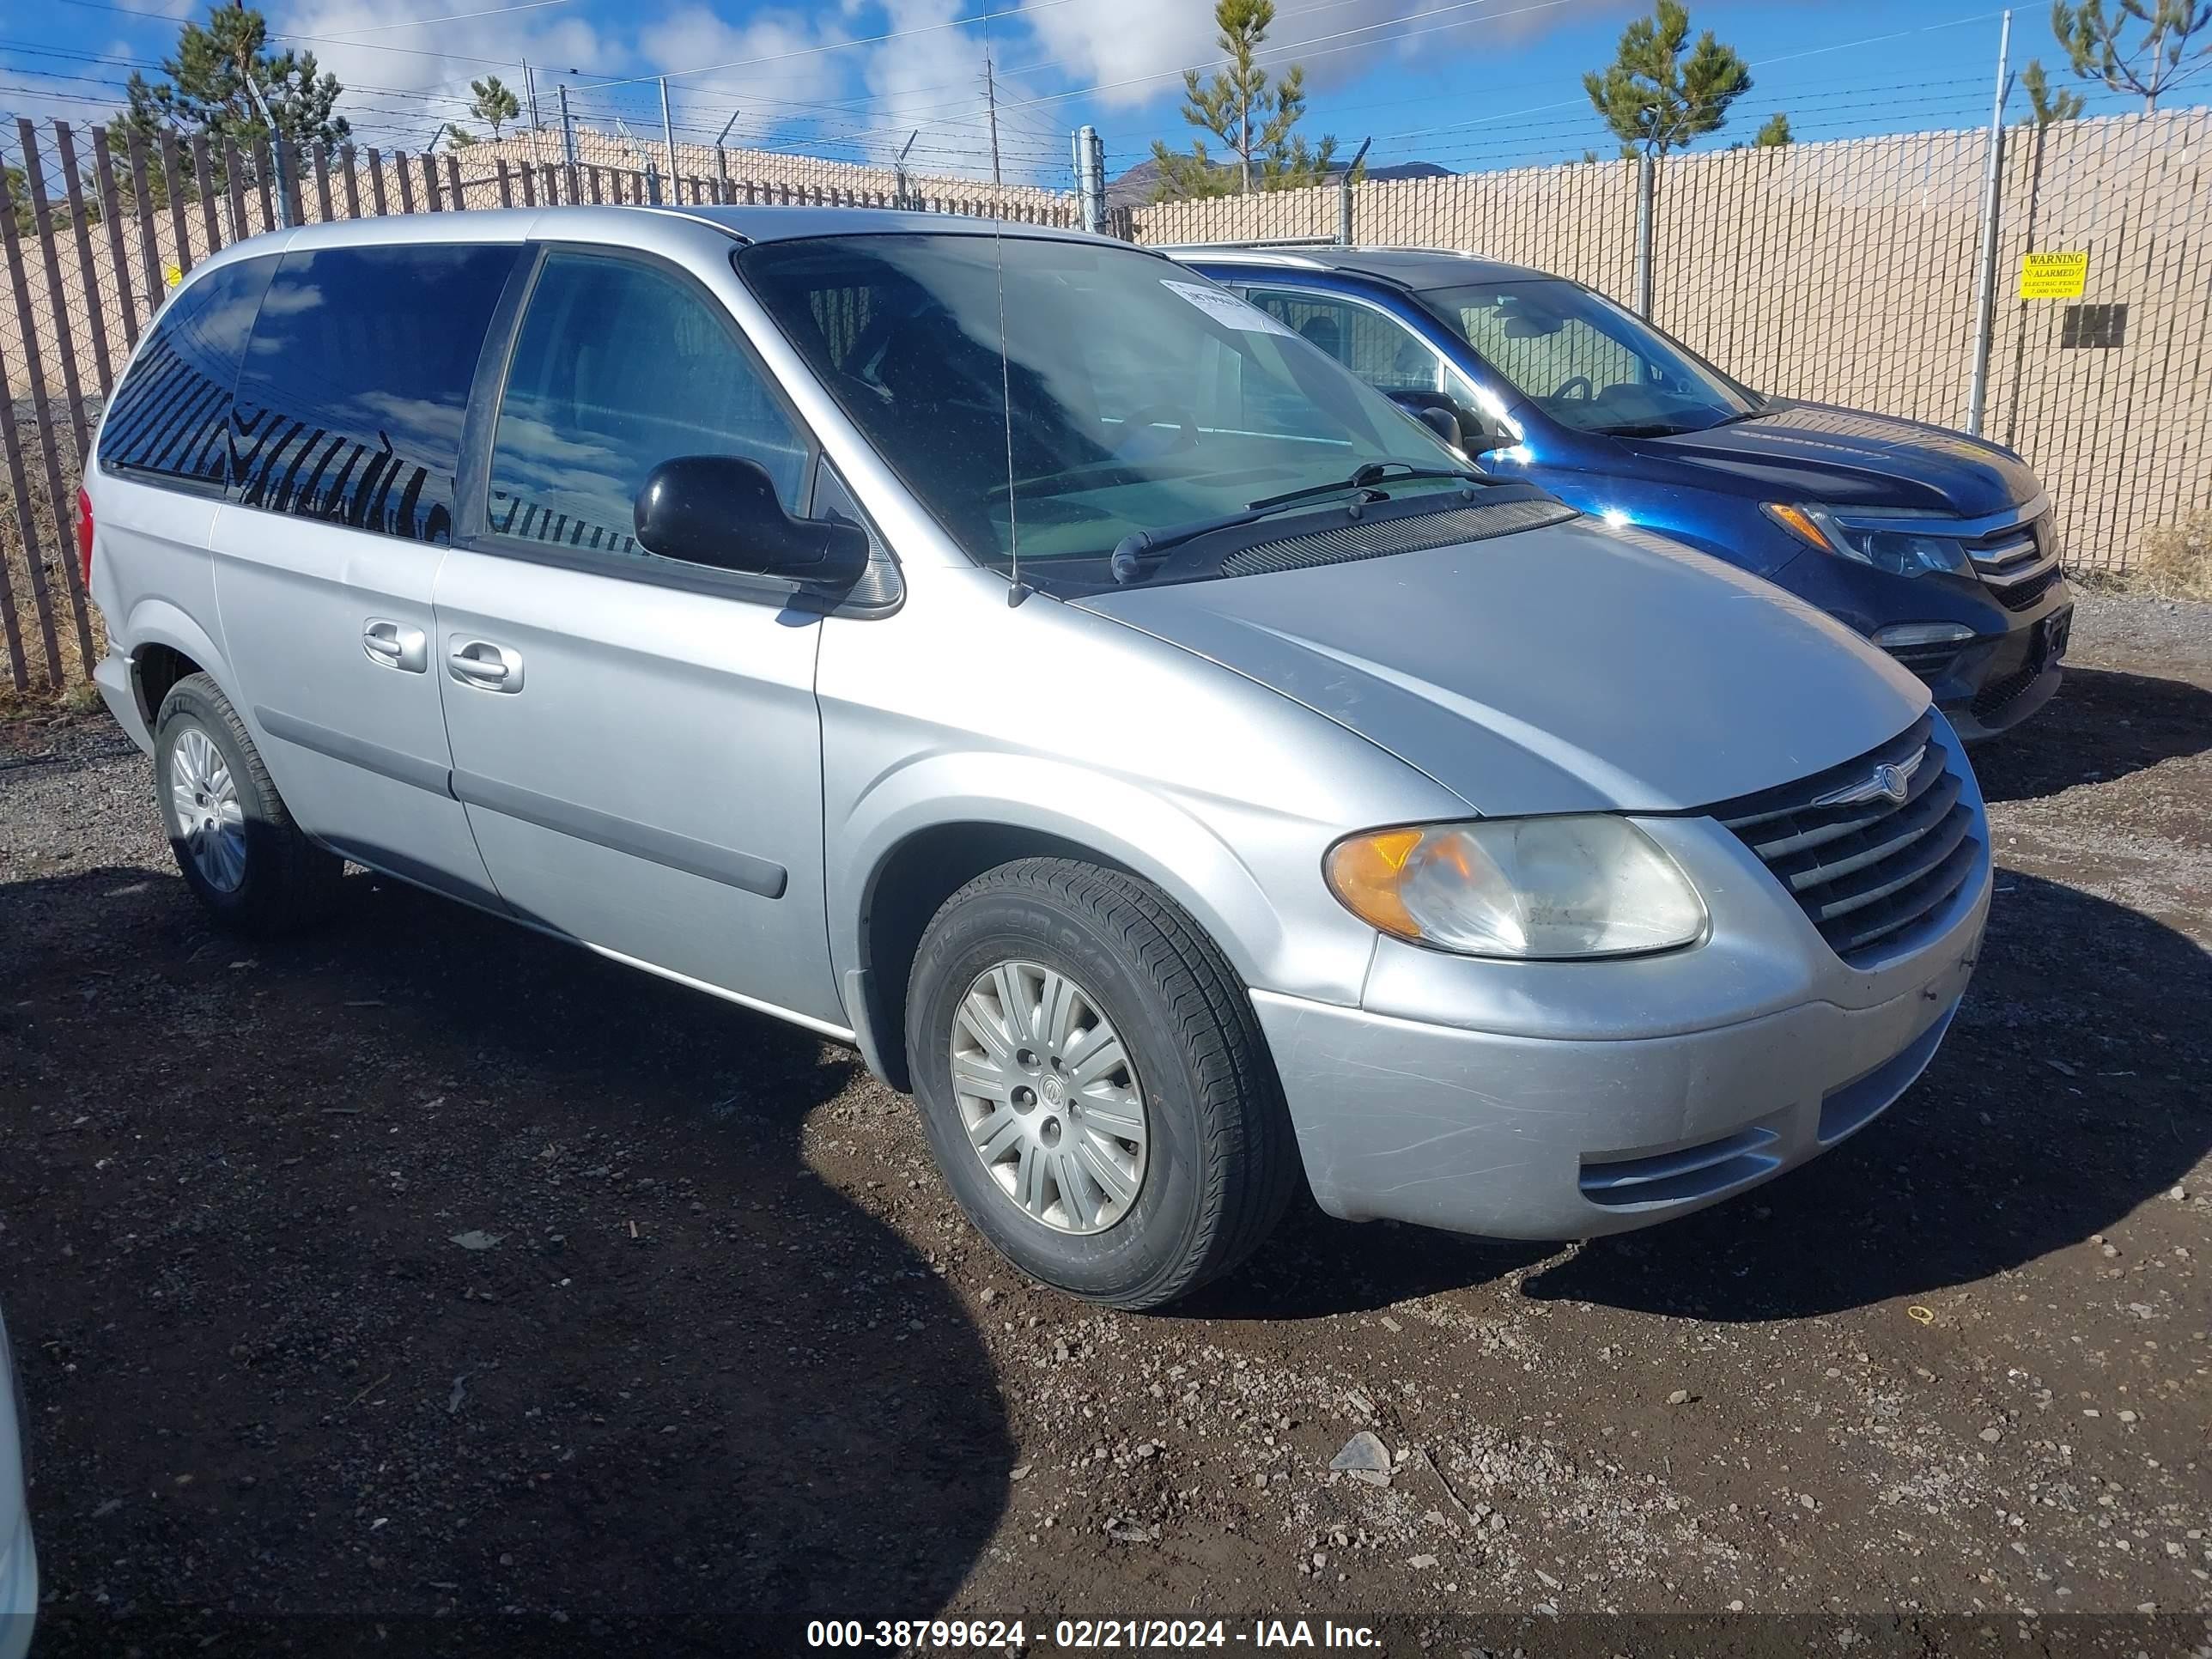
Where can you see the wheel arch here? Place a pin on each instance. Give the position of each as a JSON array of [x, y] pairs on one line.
[[917, 858], [165, 645]]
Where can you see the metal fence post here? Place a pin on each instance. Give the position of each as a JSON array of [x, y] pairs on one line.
[[1091, 179], [1344, 196], [1647, 185], [1985, 286]]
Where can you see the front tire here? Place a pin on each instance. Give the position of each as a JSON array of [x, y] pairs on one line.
[[1094, 1084], [235, 843]]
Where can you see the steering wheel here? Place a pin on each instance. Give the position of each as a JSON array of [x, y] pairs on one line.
[[1563, 390], [1138, 426]]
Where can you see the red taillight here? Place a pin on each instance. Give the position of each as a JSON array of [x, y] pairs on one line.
[[84, 537]]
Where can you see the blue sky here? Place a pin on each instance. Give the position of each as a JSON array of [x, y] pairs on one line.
[[1469, 84]]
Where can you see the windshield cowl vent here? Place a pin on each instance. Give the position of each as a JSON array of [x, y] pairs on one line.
[[1379, 540]]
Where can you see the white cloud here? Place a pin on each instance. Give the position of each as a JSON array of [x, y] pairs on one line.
[[1133, 49], [402, 82]]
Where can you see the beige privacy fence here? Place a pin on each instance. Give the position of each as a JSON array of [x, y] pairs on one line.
[[1847, 273], [105, 222]]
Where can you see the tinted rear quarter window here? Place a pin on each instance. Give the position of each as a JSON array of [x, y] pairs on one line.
[[167, 418], [356, 382]]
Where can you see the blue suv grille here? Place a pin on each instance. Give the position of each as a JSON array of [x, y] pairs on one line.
[[1870, 849]]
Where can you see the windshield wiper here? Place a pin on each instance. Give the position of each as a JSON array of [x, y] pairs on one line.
[[1136, 549], [1369, 475], [1130, 552]]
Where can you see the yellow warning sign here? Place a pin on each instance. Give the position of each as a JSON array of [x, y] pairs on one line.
[[2053, 276]]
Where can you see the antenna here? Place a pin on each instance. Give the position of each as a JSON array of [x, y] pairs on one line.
[[1015, 591]]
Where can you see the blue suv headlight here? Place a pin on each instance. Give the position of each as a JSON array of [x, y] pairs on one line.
[[1905, 544]]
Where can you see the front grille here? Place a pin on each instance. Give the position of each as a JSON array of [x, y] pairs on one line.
[[1931, 661], [2022, 596], [2019, 562], [1993, 699], [1866, 872], [1378, 538]]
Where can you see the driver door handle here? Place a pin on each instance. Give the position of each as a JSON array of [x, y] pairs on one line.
[[395, 645], [487, 666]]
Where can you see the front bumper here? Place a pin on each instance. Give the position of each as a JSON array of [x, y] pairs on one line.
[[1568, 1100], [1992, 684]]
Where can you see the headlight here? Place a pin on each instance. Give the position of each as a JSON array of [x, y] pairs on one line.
[[1898, 544], [1532, 888]]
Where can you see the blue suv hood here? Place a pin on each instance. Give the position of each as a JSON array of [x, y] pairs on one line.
[[1813, 452]]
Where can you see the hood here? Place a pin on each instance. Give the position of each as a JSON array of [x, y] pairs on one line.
[[1572, 668], [1811, 452]]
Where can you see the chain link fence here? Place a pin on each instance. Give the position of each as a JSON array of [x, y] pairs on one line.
[[1847, 273], [98, 224]]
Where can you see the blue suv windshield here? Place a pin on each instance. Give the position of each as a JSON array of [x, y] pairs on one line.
[[1585, 361]]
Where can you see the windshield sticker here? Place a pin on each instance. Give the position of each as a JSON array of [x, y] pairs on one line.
[[1225, 308]]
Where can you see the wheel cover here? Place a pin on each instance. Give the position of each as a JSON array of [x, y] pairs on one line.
[[1049, 1097], [205, 797]]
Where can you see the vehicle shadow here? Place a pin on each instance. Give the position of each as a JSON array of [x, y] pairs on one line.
[[685, 1393], [2069, 1091], [2104, 723]]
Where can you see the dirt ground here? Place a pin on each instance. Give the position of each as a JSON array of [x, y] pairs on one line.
[[730, 1360]]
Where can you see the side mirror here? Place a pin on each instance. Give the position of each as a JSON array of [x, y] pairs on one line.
[[1433, 410], [1444, 423], [723, 511]]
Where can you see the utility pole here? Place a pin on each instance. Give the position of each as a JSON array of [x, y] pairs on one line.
[[1986, 287], [530, 91], [668, 137], [991, 100], [276, 153], [568, 141]]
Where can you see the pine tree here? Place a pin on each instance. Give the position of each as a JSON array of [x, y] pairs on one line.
[[2045, 108], [1255, 118], [1774, 132], [1652, 98], [495, 104], [207, 90], [2155, 64]]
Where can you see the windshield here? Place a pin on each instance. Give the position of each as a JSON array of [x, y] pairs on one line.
[[1143, 398], [1586, 362]]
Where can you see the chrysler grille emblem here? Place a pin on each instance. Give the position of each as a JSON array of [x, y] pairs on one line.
[[1888, 783]]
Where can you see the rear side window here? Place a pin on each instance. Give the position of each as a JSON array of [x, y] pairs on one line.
[[169, 417], [1381, 350], [349, 407], [619, 366]]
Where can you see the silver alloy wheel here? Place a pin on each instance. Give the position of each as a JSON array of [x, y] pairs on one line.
[[1051, 1101], [205, 799]]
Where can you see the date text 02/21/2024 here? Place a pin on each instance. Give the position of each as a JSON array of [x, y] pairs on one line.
[[1085, 1634]]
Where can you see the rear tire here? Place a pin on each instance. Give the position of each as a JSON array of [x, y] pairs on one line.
[[235, 843], [1155, 1153]]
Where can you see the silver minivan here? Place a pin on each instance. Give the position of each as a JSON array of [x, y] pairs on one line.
[[1009, 653]]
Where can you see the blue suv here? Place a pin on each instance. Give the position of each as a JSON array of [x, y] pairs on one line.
[[1938, 547]]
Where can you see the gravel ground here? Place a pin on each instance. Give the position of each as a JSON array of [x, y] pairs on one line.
[[726, 1351]]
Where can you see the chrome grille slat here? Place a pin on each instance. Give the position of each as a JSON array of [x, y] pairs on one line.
[[1921, 853], [1865, 872], [1899, 830]]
